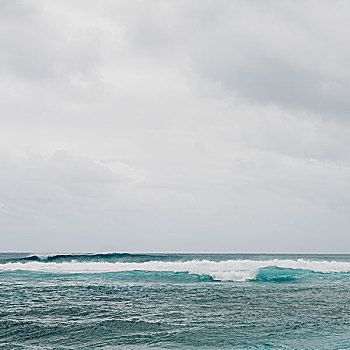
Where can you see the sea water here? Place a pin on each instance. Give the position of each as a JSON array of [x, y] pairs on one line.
[[174, 301]]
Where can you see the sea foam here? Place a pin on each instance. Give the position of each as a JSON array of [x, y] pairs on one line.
[[227, 270]]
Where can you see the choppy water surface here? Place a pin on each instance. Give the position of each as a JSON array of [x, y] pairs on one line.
[[173, 301]]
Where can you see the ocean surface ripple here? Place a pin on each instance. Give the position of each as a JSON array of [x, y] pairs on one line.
[[174, 301]]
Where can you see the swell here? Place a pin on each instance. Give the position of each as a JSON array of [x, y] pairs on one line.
[[275, 270], [107, 257], [278, 274], [125, 276]]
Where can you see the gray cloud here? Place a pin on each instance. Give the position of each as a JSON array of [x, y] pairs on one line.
[[174, 126], [292, 55]]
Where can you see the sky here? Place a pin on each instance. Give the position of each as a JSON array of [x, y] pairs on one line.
[[175, 126]]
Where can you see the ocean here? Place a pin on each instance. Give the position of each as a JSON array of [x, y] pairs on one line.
[[174, 301]]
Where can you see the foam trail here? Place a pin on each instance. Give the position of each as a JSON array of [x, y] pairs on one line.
[[229, 270]]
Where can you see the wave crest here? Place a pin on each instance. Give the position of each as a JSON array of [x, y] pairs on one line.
[[108, 257], [229, 270]]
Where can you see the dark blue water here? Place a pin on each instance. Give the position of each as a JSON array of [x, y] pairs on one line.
[[174, 301]]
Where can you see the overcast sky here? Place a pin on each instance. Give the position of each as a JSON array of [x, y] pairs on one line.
[[176, 125]]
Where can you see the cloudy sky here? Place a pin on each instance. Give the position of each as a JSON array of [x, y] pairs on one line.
[[187, 125]]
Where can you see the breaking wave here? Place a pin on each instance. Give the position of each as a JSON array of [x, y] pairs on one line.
[[274, 270], [107, 257]]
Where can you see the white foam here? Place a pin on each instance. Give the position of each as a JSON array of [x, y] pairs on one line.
[[229, 270]]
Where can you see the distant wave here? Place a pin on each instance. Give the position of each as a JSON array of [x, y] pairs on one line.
[[275, 270], [108, 257]]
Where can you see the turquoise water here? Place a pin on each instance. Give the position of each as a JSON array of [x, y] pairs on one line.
[[174, 301]]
